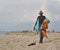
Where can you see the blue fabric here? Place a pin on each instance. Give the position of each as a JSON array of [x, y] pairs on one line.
[[37, 25]]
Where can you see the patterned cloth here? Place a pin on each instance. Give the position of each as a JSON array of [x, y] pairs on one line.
[[44, 26]]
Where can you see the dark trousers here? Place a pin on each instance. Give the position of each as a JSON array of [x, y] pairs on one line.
[[40, 37]]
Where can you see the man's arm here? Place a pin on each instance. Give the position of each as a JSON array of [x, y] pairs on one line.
[[48, 20]]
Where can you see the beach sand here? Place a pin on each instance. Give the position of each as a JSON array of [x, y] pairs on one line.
[[21, 40]]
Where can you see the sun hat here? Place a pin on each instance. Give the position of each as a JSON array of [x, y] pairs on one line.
[[40, 12]]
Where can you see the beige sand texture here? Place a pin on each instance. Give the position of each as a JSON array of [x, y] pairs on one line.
[[20, 41]]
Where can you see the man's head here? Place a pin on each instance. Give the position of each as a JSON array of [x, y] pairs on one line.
[[41, 12]]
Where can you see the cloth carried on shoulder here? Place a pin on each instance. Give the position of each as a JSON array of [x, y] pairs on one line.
[[44, 26]]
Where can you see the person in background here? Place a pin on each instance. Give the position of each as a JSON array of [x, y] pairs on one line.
[[41, 18]]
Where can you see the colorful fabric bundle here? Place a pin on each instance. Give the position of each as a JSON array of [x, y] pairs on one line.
[[44, 27]]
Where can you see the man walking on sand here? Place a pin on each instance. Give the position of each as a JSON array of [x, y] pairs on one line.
[[41, 18]]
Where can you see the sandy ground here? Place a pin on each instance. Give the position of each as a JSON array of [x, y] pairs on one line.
[[20, 41]]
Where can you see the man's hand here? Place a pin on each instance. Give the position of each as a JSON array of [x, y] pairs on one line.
[[34, 28]]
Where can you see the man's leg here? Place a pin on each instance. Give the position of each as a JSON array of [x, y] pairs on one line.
[[41, 37]]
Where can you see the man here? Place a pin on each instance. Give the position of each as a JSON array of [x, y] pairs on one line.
[[41, 18]]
